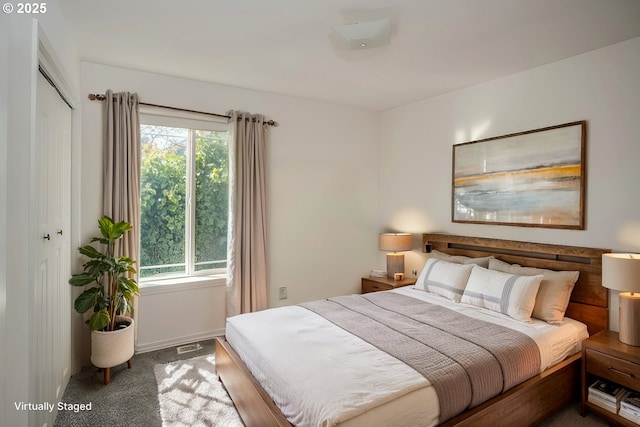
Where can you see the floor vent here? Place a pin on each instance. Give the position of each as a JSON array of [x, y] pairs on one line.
[[188, 348]]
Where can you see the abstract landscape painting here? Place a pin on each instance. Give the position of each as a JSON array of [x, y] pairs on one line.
[[532, 179]]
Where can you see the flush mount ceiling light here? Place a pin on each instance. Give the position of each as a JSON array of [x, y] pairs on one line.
[[362, 35]]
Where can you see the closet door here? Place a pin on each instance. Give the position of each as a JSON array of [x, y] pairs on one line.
[[51, 316]]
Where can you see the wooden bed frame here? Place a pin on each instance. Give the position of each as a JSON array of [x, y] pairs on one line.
[[526, 404]]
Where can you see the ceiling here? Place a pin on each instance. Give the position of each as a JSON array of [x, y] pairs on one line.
[[284, 46]]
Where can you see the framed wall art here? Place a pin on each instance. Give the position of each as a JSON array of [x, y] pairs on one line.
[[531, 179]]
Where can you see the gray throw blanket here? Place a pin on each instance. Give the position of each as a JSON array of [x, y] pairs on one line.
[[468, 361]]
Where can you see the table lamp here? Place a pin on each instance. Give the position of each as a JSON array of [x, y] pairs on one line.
[[621, 272], [394, 243]]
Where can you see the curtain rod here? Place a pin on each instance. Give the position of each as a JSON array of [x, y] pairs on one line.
[[102, 97]]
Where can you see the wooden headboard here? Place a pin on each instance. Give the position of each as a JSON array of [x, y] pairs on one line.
[[589, 300]]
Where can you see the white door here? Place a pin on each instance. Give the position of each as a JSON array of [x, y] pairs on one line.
[[51, 316]]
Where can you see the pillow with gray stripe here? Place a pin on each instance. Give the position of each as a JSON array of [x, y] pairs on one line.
[[444, 278], [505, 293]]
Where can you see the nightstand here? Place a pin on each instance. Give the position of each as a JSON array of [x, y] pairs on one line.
[[375, 284], [604, 356]]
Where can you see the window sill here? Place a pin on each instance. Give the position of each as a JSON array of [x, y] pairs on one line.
[[182, 284]]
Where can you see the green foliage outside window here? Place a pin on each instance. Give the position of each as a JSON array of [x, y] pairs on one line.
[[212, 200], [164, 197]]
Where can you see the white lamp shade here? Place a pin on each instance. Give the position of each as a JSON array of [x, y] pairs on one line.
[[621, 272], [395, 242]]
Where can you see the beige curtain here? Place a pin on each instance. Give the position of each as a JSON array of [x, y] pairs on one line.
[[247, 242], [121, 179]]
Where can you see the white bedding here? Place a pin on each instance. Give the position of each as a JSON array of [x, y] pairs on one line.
[[319, 374]]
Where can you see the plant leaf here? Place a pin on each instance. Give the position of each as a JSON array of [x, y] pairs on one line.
[[119, 229], [103, 303], [102, 240], [123, 303], [129, 285], [98, 320], [81, 279], [90, 251], [93, 268], [88, 299], [105, 224]]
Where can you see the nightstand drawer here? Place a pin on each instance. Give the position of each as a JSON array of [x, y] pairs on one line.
[[376, 284], [370, 286], [621, 371]]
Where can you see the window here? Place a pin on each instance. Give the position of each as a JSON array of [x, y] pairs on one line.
[[184, 198]]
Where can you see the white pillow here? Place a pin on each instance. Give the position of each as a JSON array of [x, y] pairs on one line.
[[505, 293], [554, 293], [444, 278], [461, 259]]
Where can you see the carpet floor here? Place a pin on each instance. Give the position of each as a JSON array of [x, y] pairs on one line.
[[160, 391], [130, 399]]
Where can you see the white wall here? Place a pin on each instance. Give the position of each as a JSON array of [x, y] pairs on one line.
[[20, 36], [322, 181], [185, 310], [601, 87]]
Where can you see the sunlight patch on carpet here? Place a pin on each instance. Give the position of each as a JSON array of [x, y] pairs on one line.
[[190, 394]]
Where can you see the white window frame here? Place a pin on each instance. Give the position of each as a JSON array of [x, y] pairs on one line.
[[180, 119]]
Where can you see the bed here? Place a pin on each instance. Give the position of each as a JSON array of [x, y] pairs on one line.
[[525, 402]]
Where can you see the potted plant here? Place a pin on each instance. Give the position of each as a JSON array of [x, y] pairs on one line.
[[110, 297]]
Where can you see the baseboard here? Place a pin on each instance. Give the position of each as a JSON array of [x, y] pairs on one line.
[[174, 342]]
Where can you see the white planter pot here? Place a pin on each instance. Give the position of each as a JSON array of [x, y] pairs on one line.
[[109, 349]]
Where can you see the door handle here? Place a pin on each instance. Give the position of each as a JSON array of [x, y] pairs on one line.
[[59, 232], [47, 236]]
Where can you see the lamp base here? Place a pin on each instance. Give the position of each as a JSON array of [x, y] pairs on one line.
[[395, 264], [629, 320]]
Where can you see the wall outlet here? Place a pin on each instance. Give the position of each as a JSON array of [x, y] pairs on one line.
[[283, 292], [414, 272]]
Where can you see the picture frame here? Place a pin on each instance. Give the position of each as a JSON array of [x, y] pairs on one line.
[[535, 178]]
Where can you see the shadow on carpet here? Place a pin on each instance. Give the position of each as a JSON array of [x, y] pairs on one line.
[[190, 394]]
